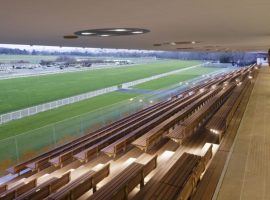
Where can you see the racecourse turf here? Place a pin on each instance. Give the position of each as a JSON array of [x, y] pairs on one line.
[[53, 116], [175, 78], [20, 93]]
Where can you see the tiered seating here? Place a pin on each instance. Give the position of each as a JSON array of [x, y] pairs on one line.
[[45, 189], [180, 178], [143, 129], [114, 148], [65, 153], [190, 124], [151, 137], [42, 161], [220, 120], [18, 190], [121, 185]]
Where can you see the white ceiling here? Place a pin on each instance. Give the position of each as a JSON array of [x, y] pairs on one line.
[[221, 24]]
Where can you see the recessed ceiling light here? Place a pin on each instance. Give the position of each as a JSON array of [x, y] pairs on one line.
[[104, 32], [87, 33], [120, 30], [193, 42], [137, 32]]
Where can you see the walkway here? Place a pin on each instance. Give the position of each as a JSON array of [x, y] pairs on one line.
[[247, 175]]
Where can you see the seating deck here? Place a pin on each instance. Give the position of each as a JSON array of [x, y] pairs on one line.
[[191, 123], [87, 154], [18, 190], [122, 184], [45, 189], [67, 147], [81, 185], [149, 138]]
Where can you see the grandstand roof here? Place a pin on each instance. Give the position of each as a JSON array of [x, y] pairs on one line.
[[215, 25]]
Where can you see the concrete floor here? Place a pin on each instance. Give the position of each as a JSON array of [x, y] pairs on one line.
[[247, 174]]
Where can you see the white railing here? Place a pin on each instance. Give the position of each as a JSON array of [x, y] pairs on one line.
[[137, 82], [53, 104]]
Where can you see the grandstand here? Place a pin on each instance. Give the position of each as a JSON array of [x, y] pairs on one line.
[[134, 100], [110, 162]]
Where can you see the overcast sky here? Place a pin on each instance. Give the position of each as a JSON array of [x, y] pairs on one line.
[[62, 49]]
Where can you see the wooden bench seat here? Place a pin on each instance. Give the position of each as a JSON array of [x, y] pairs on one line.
[[195, 120], [87, 154], [45, 189], [220, 120], [120, 145], [18, 190], [81, 185], [3, 188], [122, 184], [62, 159], [149, 163], [39, 164]]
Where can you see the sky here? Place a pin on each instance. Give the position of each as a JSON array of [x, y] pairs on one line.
[[62, 49]]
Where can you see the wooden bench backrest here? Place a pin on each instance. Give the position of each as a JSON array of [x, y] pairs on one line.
[[18, 190], [101, 174], [150, 166], [3, 188], [66, 156], [28, 186], [92, 151], [208, 154], [40, 164], [60, 182], [39, 192]]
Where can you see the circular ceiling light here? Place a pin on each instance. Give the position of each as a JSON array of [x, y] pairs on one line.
[[87, 33], [137, 32], [105, 32], [120, 30]]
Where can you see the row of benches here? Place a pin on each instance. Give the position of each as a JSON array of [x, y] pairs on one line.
[[120, 144], [220, 120], [81, 185], [146, 141], [178, 179], [191, 123], [31, 190], [122, 184], [151, 137], [40, 162]]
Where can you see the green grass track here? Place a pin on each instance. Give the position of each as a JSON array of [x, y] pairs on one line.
[[20, 93], [175, 78], [49, 117]]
